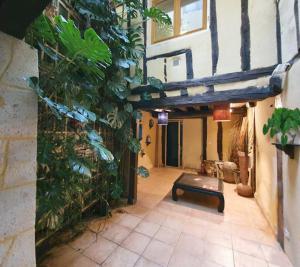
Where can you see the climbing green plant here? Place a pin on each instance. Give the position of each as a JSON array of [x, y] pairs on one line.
[[85, 80]]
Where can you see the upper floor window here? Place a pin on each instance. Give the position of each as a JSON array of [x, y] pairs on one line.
[[187, 16]]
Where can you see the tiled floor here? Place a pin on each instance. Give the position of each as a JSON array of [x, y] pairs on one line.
[[160, 232]]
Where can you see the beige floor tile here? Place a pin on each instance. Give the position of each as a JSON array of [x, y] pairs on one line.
[[156, 217], [190, 244], [82, 261], [219, 238], [158, 252], [207, 263], [129, 221], [121, 257], [142, 262], [83, 241], [167, 235], [136, 242], [182, 259], [219, 254], [100, 250], [174, 223], [147, 228], [276, 256], [248, 247], [116, 233], [195, 229], [244, 260]]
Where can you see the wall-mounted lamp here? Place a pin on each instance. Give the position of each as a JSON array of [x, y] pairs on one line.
[[222, 112], [163, 118], [148, 140]]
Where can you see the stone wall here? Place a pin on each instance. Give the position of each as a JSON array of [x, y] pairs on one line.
[[18, 131]]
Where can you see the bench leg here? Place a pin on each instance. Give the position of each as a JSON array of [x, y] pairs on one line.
[[174, 195], [221, 203]]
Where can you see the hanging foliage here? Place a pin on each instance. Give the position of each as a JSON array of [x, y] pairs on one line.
[[85, 79]]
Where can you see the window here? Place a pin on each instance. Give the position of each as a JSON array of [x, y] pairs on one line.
[[187, 16]]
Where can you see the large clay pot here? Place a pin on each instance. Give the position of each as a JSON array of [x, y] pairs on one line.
[[243, 162]]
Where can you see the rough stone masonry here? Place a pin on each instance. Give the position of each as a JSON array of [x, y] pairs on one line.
[[18, 132]]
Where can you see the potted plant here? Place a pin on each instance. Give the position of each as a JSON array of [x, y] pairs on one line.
[[285, 125]]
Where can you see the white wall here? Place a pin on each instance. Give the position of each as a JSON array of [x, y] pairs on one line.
[[262, 16], [266, 164]]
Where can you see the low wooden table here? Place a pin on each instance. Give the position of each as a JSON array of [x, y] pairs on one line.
[[200, 184]]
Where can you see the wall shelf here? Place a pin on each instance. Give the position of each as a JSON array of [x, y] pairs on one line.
[[288, 149]]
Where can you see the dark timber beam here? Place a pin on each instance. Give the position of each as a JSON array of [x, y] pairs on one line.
[[245, 36], [231, 96], [169, 54], [209, 81], [204, 135], [145, 70], [214, 36], [132, 194], [16, 15], [220, 140], [278, 33]]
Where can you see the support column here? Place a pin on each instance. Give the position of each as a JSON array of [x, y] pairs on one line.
[[18, 144]]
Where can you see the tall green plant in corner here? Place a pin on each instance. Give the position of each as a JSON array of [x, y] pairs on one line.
[[85, 80]]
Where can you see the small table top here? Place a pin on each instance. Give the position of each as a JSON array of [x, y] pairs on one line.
[[207, 183]]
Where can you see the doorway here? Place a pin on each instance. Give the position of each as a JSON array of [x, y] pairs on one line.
[[172, 144]]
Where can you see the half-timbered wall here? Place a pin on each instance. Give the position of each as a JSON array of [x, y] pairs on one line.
[[244, 42]]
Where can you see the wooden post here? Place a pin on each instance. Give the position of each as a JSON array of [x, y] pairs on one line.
[[280, 218], [220, 141], [133, 161], [204, 136]]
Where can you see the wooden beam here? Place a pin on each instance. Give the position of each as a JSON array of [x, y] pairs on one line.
[[245, 36], [278, 33], [169, 54], [132, 194], [220, 140], [183, 109], [231, 96], [209, 81], [145, 70], [204, 135], [16, 15], [214, 36], [296, 14], [280, 218], [185, 115]]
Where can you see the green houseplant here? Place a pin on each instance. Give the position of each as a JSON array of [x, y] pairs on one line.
[[285, 124]]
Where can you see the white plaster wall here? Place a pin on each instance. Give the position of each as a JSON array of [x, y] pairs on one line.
[[262, 15], [291, 174], [229, 34], [18, 131], [266, 162], [288, 30]]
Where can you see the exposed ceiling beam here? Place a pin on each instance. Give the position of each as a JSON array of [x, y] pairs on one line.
[[230, 96], [212, 80]]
